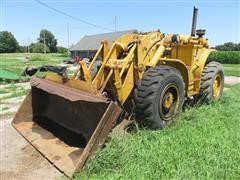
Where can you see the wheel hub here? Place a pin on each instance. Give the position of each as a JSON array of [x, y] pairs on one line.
[[216, 86], [168, 100]]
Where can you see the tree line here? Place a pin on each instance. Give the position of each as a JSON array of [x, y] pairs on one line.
[[229, 46], [9, 44]]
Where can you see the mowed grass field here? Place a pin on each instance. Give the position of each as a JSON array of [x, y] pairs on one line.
[[203, 143], [232, 69], [16, 62]]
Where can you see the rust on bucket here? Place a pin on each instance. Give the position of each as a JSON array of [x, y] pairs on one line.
[[64, 124]]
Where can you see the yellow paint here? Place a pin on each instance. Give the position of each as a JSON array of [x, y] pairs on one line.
[[132, 54], [217, 86], [168, 100]]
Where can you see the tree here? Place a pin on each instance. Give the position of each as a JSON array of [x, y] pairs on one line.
[[50, 40], [8, 43], [228, 46], [22, 49], [38, 48]]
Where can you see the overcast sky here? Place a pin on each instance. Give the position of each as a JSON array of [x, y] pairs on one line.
[[25, 18]]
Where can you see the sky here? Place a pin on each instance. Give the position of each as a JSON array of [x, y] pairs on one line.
[[25, 18]]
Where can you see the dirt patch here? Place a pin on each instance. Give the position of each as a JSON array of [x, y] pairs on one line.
[[11, 96], [19, 160], [231, 80], [10, 105]]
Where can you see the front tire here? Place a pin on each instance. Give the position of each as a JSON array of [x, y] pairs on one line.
[[159, 96]]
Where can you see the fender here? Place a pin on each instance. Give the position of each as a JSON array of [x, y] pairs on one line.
[[179, 65], [201, 64]]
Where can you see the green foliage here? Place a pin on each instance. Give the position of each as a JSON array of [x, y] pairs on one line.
[[64, 55], [22, 49], [229, 46], [203, 143], [232, 69], [38, 57], [38, 48], [15, 91], [16, 62], [62, 50], [225, 57], [50, 40], [8, 43]]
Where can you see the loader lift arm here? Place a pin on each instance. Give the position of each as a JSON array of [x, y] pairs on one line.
[[67, 118]]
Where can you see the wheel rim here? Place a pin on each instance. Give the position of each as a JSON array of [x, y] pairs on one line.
[[217, 86], [169, 102]]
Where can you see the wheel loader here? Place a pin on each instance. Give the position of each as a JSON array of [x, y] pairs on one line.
[[150, 74]]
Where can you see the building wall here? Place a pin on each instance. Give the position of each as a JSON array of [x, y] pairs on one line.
[[83, 54]]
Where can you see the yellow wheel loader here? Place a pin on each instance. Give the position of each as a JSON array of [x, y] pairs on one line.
[[68, 118]]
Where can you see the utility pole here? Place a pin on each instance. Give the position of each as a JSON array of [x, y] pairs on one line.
[[68, 36], [115, 22], [44, 42]]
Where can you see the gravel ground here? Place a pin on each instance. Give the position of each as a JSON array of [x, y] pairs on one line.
[[21, 161]]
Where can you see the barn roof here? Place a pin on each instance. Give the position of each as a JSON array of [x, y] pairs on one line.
[[92, 42]]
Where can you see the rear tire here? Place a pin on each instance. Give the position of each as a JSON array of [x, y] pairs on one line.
[[212, 82], [159, 96]]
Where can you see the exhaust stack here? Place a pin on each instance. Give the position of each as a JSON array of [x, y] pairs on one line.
[[194, 21]]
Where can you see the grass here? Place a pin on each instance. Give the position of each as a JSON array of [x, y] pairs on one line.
[[3, 91], [5, 108], [7, 115], [19, 92], [232, 69], [16, 62], [203, 143], [15, 91]]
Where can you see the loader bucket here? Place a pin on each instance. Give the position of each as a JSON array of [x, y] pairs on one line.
[[64, 124]]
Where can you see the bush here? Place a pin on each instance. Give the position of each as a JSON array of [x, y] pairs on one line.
[[22, 49], [38, 48], [225, 57], [64, 55], [62, 50], [39, 57]]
